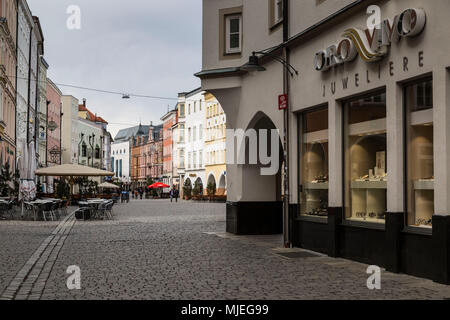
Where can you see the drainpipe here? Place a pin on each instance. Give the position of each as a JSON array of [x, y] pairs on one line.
[[286, 84]]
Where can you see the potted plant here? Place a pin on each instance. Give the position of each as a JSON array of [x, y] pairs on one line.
[[187, 189], [211, 190], [197, 191]]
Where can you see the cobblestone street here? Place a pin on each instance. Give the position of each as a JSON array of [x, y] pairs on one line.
[[155, 249]]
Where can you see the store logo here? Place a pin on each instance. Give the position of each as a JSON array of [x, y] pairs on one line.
[[253, 149], [373, 43]]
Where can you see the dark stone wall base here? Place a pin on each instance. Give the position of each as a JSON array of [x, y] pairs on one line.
[[414, 251], [255, 218]]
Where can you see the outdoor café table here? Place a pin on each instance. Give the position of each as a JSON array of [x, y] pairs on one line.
[[36, 206]]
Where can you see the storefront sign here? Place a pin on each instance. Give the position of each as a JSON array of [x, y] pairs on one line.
[[371, 44], [282, 102]]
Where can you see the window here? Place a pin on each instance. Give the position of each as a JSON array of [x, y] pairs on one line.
[[200, 132], [233, 34], [314, 163], [195, 159], [418, 99], [182, 110], [200, 159], [189, 135], [194, 138], [365, 158], [278, 11], [83, 150], [181, 133]]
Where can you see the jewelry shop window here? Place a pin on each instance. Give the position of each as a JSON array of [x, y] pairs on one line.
[[418, 99], [314, 163], [365, 158]]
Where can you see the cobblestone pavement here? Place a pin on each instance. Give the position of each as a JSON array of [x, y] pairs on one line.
[[158, 250]]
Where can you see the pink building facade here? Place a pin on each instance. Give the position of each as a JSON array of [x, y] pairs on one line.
[[54, 124]]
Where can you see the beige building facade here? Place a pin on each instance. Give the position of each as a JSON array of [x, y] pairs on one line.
[[367, 142]]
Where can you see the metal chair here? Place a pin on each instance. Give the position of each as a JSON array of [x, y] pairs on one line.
[[47, 208], [55, 210]]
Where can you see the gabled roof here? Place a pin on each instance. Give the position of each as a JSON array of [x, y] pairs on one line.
[[90, 116], [126, 134]]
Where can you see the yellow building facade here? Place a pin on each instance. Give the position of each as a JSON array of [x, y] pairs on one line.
[[215, 145]]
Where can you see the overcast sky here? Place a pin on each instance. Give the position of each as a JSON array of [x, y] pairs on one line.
[[145, 47]]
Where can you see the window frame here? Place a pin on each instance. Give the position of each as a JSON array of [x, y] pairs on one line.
[[228, 33]]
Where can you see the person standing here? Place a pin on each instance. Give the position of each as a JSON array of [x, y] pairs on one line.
[[172, 193], [176, 194]]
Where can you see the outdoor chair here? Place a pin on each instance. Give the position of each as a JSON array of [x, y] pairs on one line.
[[4, 210], [55, 210], [48, 209]]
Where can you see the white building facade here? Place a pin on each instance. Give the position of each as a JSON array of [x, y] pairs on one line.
[[120, 161], [195, 137]]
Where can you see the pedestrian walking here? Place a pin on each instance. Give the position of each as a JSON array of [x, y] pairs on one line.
[[171, 194], [176, 194]]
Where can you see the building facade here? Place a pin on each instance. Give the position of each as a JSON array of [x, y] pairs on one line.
[[147, 157], [215, 145], [8, 64], [120, 161], [366, 181], [169, 121], [25, 119], [42, 113], [121, 153], [195, 137], [54, 131], [179, 138], [70, 136]]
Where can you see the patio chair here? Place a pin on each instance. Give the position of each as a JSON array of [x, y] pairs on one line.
[[11, 209], [48, 208], [55, 210], [3, 210]]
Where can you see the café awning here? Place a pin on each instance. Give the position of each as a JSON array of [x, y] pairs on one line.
[[73, 170], [108, 185]]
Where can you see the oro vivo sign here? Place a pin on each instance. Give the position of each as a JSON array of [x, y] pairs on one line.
[[372, 44]]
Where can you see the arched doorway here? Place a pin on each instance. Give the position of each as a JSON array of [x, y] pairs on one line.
[[260, 208], [222, 186], [211, 181]]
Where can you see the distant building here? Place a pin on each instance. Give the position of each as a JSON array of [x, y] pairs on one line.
[[91, 143], [42, 114], [215, 144], [121, 152], [169, 121], [195, 138], [69, 127], [146, 157], [54, 122], [179, 139]]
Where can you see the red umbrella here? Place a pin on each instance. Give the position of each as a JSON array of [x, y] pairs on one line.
[[158, 185]]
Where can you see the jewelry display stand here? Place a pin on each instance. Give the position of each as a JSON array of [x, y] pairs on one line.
[[315, 173], [421, 170], [368, 186]]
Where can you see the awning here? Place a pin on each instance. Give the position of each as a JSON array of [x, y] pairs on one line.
[[73, 170]]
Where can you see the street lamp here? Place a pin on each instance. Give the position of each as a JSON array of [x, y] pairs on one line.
[[253, 65]]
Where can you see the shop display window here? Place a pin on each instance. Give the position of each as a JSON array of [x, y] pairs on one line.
[[314, 163], [365, 169], [418, 98]]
